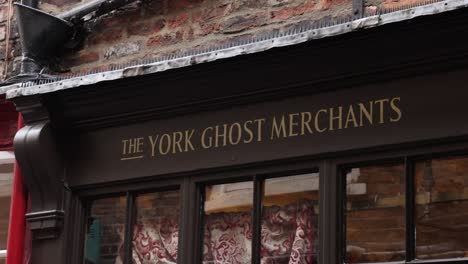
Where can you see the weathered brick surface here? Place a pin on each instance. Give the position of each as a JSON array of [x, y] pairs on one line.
[[151, 28], [162, 27], [10, 48]]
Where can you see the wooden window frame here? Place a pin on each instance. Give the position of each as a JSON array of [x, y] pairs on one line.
[[405, 156], [330, 167]]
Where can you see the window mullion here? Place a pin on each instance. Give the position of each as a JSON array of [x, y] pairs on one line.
[[257, 219], [410, 210], [200, 222], [129, 223]]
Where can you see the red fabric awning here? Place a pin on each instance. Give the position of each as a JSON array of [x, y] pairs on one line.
[[18, 251]]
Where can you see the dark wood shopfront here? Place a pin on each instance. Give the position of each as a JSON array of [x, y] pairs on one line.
[[344, 114]]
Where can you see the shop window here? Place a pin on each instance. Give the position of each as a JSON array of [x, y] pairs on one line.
[[417, 211], [105, 231], [290, 219], [152, 237], [156, 229], [375, 214], [287, 220], [441, 189], [228, 223], [6, 180]]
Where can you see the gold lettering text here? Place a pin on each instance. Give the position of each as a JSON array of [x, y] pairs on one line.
[[165, 138], [249, 132], [260, 123], [153, 144], [381, 103], [317, 115], [368, 113], [351, 117], [396, 109], [293, 125], [278, 129], [306, 118], [338, 117], [204, 137], [222, 135], [232, 128]]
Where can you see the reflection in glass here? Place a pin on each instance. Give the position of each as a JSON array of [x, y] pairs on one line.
[[442, 208], [228, 223], [289, 219], [156, 230], [6, 180], [375, 223], [105, 231]]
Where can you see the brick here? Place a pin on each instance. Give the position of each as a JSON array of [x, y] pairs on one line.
[[165, 40], [146, 28], [3, 13], [178, 21], [2, 52], [191, 36], [107, 36], [287, 12], [399, 3], [119, 18], [182, 5], [243, 22], [211, 13], [210, 28], [2, 33], [276, 3], [247, 4], [327, 4], [83, 58], [15, 49], [13, 67], [122, 50]]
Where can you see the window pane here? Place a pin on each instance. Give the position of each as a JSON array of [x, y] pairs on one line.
[[442, 208], [105, 231], [375, 223], [290, 219], [156, 231], [6, 180], [228, 223]]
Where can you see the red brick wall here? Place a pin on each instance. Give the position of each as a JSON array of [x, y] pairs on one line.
[[10, 46], [151, 28], [160, 27]]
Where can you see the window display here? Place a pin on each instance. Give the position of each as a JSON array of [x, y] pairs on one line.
[[156, 229], [290, 220]]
